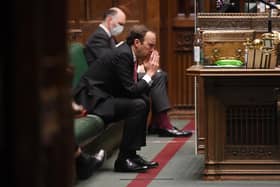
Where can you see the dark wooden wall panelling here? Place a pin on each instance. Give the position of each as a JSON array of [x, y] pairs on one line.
[[172, 20], [174, 31], [178, 47]]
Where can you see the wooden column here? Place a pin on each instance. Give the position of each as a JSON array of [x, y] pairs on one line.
[[37, 145]]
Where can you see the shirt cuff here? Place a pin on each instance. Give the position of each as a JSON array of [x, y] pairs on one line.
[[148, 79]]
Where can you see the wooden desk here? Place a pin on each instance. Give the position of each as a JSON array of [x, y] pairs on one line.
[[238, 122]]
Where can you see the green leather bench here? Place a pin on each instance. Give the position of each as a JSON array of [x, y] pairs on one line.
[[90, 132]]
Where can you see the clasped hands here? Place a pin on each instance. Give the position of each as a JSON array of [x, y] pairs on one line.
[[151, 64]]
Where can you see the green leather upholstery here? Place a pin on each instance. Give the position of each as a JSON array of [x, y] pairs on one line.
[[86, 128], [90, 132], [78, 61]]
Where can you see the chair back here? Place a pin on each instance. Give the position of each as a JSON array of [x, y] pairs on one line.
[[78, 61]]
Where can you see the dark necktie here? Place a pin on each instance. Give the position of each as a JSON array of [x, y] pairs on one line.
[[135, 72]]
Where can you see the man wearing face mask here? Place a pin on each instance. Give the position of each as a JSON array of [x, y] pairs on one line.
[[102, 39], [101, 42]]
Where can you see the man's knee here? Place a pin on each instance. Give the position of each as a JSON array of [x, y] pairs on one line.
[[161, 75], [140, 104]]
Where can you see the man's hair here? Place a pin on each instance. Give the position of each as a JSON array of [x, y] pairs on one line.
[[110, 12], [136, 32]]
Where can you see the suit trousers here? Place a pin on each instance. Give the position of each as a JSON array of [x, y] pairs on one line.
[[134, 113], [159, 95]]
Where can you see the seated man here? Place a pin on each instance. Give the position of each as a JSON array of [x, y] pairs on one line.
[[101, 41], [86, 164], [160, 122], [109, 89]]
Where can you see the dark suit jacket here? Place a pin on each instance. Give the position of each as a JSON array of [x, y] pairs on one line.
[[111, 76], [97, 45]]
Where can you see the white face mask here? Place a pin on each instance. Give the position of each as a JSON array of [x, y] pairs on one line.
[[117, 30]]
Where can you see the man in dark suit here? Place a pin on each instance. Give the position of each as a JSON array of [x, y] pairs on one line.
[[109, 89], [101, 41]]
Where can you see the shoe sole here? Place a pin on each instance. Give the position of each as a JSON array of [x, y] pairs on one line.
[[151, 167]]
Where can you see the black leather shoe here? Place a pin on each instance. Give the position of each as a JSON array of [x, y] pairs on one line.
[[87, 164], [100, 157], [173, 133], [128, 165], [141, 161]]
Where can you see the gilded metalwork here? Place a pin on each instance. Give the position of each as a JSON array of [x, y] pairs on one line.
[[262, 52], [225, 44]]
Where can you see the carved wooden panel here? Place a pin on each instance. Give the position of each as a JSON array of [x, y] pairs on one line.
[[176, 49], [251, 132], [135, 8], [91, 15], [183, 41], [181, 87], [73, 10], [241, 128], [184, 8], [219, 44], [253, 21], [95, 9]]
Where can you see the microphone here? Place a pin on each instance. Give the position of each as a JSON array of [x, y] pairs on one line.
[[272, 6]]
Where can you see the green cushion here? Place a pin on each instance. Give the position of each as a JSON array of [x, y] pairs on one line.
[[86, 128], [78, 61], [229, 63]]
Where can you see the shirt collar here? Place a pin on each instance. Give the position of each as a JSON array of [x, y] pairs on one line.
[[105, 29], [134, 56]]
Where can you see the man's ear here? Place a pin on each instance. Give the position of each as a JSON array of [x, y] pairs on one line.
[[109, 19], [137, 42]]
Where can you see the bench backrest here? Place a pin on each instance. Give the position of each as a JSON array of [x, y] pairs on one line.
[[78, 61]]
